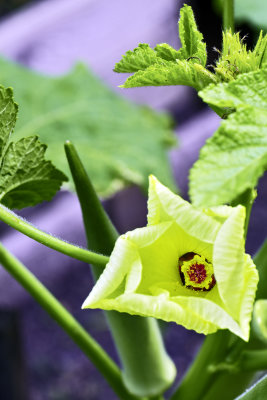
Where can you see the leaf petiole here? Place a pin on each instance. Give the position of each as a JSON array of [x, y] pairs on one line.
[[59, 245]]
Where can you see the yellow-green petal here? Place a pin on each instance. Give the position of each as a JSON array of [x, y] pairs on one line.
[[228, 260], [164, 205]]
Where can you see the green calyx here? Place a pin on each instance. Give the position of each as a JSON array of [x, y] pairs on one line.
[[196, 272]]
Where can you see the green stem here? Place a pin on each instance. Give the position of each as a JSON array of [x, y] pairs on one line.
[[253, 360], [77, 333], [228, 15], [71, 250], [212, 351]]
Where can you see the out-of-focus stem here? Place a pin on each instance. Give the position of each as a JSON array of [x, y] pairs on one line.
[[228, 15]]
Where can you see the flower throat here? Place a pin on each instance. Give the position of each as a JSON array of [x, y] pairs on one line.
[[196, 272]]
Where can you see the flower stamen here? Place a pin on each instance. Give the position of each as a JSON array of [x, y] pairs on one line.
[[196, 272]]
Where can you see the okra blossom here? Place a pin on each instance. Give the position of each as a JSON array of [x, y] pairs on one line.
[[187, 265]]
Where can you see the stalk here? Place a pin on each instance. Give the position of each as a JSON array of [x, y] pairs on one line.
[[228, 15], [31, 231], [199, 377], [67, 322], [147, 369]]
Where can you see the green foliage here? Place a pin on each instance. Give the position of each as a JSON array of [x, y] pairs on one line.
[[235, 59], [236, 156], [252, 11], [191, 38], [256, 392], [163, 65], [172, 73], [138, 59], [26, 178], [248, 89], [166, 66], [119, 143]]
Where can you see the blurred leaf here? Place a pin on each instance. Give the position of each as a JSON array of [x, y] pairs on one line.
[[236, 156], [256, 392], [119, 143], [252, 11], [26, 178]]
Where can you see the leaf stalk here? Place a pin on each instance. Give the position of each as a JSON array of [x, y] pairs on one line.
[[44, 238]]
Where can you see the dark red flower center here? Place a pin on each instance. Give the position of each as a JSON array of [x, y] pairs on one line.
[[196, 272]]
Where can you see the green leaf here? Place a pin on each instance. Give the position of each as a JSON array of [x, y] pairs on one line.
[[248, 89], [167, 52], [236, 156], [138, 59], [191, 38], [8, 116], [256, 392], [166, 66], [113, 136], [172, 73], [232, 160], [26, 178]]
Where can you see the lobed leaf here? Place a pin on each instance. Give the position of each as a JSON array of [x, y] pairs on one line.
[[236, 156], [166, 66], [232, 160], [26, 178]]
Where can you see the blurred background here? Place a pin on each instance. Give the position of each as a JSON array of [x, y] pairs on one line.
[[38, 361]]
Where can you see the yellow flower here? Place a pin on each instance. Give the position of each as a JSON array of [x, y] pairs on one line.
[[188, 266]]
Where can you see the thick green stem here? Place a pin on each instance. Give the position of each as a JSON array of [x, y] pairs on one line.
[[253, 360], [228, 15], [199, 377], [147, 369], [71, 250], [77, 333]]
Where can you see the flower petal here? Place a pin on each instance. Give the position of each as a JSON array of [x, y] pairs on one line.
[[163, 205], [248, 296], [198, 314], [228, 261]]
